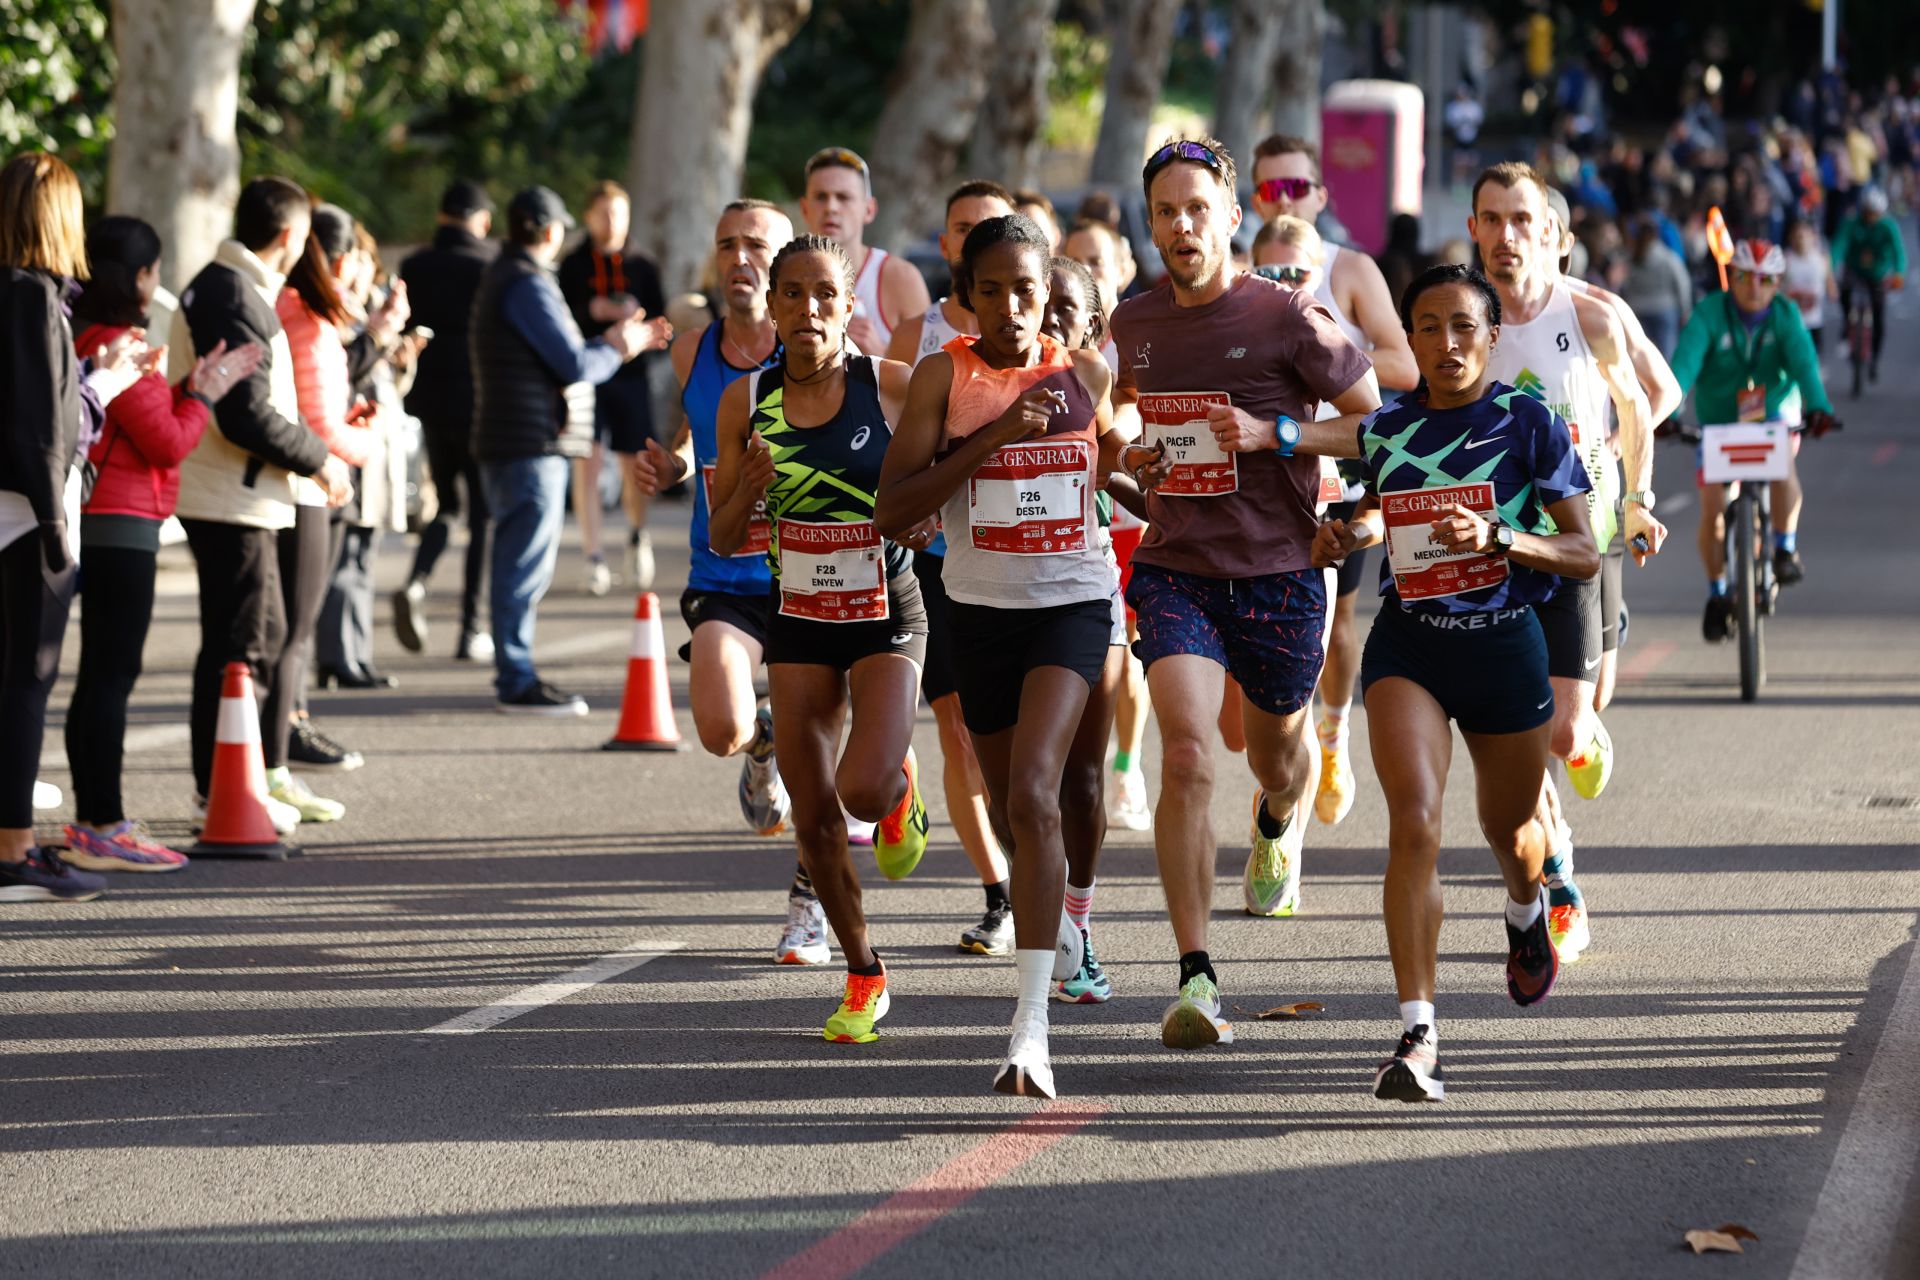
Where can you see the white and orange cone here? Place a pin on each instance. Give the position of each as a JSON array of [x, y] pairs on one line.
[[646, 709], [237, 824]]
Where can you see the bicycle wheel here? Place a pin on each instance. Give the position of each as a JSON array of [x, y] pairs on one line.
[[1742, 527]]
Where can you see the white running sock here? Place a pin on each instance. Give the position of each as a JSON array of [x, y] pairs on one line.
[[1418, 1013], [1079, 904], [1521, 915], [1333, 724], [1035, 969]]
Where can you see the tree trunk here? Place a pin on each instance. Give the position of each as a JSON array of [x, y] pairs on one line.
[[1240, 107], [1140, 40], [929, 115], [701, 67], [1296, 70], [175, 159], [1006, 139]]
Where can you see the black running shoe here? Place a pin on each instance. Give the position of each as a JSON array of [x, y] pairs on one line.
[[542, 699], [1717, 626], [410, 616], [1787, 569], [1532, 963], [1413, 1073], [309, 748]]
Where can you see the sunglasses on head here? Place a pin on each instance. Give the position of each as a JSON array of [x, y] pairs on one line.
[[1289, 274], [1292, 188], [838, 157], [1754, 277], [1182, 151]]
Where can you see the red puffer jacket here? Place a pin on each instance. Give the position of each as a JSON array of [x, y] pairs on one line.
[[150, 427]]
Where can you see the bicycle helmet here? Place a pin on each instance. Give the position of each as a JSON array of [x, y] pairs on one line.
[[1874, 201], [1762, 257]]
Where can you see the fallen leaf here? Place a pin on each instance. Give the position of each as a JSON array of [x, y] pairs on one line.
[[1751, 1160], [1735, 1230], [1294, 1010], [1720, 1241]]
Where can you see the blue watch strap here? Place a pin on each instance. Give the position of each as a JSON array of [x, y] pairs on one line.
[[1285, 439]]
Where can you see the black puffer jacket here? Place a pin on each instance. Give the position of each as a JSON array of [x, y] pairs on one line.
[[39, 391], [521, 407]]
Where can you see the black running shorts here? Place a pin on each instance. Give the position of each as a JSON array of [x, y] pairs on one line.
[[841, 644], [993, 649]]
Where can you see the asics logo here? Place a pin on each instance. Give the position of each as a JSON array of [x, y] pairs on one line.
[[861, 437], [902, 638]]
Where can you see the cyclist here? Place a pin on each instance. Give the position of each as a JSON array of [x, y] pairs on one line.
[[1868, 254], [1747, 357]]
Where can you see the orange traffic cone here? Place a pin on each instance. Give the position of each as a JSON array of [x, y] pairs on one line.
[[237, 824], [646, 710]]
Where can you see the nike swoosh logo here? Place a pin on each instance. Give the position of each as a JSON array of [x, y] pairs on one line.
[[1475, 444], [1588, 666], [1543, 706]]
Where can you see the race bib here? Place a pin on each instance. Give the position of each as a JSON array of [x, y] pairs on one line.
[[1332, 488], [1423, 570], [832, 572], [759, 528], [1177, 421], [1030, 499]]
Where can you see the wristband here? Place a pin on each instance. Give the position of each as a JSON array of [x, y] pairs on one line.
[[1286, 434], [195, 395]]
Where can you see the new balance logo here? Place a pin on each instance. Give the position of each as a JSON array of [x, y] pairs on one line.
[[1236, 353]]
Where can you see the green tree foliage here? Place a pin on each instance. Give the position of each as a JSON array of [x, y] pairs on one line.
[[56, 83]]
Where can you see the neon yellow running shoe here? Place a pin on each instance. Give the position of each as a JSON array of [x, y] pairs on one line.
[[1335, 795], [864, 1004], [901, 837], [1589, 771], [1271, 885]]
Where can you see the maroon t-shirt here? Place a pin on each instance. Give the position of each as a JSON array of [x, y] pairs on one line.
[[1273, 351]]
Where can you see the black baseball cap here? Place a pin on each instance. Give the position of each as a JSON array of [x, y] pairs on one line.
[[463, 199], [537, 207]]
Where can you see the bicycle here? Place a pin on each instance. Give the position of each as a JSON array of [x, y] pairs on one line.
[[1860, 294]]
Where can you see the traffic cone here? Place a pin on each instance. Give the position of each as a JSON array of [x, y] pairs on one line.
[[646, 710], [237, 824]]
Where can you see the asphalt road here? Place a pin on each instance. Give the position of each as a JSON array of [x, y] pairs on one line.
[[230, 1072]]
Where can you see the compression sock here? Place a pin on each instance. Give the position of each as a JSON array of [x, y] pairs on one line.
[[1787, 542], [802, 882], [1521, 915], [1333, 725], [1271, 828], [1123, 762], [1079, 904], [1418, 1013], [998, 896], [1717, 587], [1196, 962]]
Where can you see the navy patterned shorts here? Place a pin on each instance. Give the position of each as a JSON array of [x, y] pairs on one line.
[[1265, 631]]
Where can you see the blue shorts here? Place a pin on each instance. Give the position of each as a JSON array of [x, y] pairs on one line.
[[1488, 671], [1265, 631]]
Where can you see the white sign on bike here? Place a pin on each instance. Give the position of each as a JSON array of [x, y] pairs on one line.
[[1745, 451]]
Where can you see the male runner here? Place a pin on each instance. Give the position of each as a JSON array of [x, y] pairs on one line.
[[913, 341], [725, 605], [1220, 366], [1662, 389], [839, 204], [1568, 349], [1286, 178]]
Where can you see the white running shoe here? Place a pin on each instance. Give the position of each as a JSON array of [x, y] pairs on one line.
[[599, 578], [1028, 1071], [805, 938], [643, 561], [1127, 800], [859, 834], [47, 796]]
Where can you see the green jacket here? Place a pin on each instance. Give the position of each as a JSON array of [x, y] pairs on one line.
[[1715, 359], [1870, 252]]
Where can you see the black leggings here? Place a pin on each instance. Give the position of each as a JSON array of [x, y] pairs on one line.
[[116, 608], [33, 621], [450, 463], [243, 618], [307, 553]]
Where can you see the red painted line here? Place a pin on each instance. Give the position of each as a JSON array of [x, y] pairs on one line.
[[1884, 454], [1646, 661], [907, 1213]]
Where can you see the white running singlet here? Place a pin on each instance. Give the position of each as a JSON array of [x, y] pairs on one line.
[[1323, 294], [866, 295], [1548, 358], [935, 332]]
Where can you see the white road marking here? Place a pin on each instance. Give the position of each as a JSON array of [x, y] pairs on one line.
[[154, 737], [581, 645], [527, 999], [1678, 502], [1863, 1203]]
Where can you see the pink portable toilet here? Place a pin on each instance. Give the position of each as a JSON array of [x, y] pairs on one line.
[[1372, 154]]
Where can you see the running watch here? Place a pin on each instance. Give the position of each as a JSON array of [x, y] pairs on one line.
[[1499, 538], [1641, 498], [1286, 433]]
